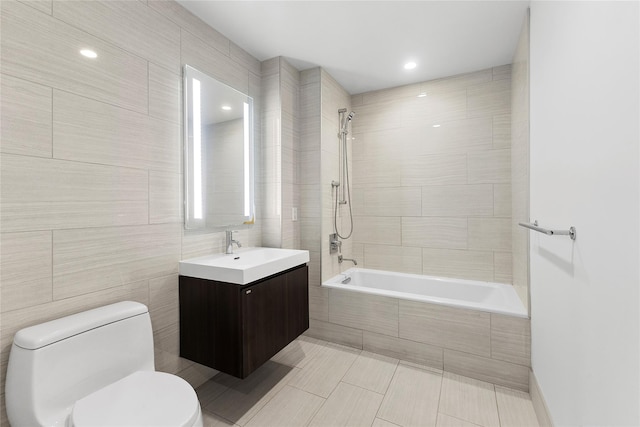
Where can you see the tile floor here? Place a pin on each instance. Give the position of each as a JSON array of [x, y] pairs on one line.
[[315, 383]]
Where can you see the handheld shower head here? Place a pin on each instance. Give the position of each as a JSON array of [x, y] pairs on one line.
[[346, 121]]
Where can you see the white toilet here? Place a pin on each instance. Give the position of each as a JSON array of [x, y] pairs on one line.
[[95, 368]]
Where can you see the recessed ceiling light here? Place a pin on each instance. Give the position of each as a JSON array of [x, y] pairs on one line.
[[422, 94], [410, 65], [88, 53], [436, 126], [226, 108]]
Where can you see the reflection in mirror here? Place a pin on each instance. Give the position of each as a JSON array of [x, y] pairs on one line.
[[218, 154]]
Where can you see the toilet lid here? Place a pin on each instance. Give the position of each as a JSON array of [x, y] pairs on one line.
[[144, 398]]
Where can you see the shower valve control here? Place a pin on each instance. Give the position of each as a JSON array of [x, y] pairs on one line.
[[334, 243]]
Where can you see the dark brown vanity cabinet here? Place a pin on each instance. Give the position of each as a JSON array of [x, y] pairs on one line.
[[236, 328]]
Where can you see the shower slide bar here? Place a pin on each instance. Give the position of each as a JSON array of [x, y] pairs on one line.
[[571, 232]]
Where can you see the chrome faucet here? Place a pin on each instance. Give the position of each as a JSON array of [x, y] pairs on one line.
[[229, 242], [341, 258]]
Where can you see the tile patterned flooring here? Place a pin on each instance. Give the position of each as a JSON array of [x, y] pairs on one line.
[[315, 383]]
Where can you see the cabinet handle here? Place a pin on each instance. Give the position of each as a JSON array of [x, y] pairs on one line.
[[248, 292]]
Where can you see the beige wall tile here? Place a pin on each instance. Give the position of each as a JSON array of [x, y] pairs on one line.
[[362, 311], [456, 263], [502, 267], [195, 244], [334, 333], [412, 397], [44, 50], [42, 5], [201, 56], [502, 72], [393, 258], [89, 260], [25, 269], [26, 118], [48, 194], [489, 99], [372, 372], [486, 369], [457, 82], [165, 197], [290, 406], [502, 200], [511, 339], [456, 136], [436, 169], [491, 166], [165, 90], [435, 108], [188, 21], [394, 201], [434, 232], [402, 349], [319, 303], [447, 327], [163, 301], [93, 132], [502, 131], [490, 233], [348, 406], [377, 173], [457, 200], [243, 58], [322, 374], [377, 230], [129, 25], [515, 408], [469, 399]]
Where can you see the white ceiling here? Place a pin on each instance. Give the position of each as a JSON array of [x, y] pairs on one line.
[[364, 44]]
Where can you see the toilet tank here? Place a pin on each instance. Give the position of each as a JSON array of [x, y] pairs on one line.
[[54, 364]]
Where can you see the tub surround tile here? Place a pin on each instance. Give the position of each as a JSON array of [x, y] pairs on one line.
[[511, 339], [348, 405], [435, 108], [463, 264], [458, 136], [486, 369], [502, 131], [335, 333], [434, 232], [433, 169], [133, 27], [45, 50], [394, 201], [447, 327], [502, 72], [457, 82], [290, 406], [392, 258], [502, 264], [412, 397], [468, 399], [490, 234], [319, 303], [457, 200], [372, 372], [489, 99], [26, 118], [378, 230], [489, 167], [398, 348], [502, 200], [363, 311]]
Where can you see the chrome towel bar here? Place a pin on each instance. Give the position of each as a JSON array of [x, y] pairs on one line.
[[571, 232]]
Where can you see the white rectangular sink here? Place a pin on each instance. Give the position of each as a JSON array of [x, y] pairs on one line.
[[244, 266]]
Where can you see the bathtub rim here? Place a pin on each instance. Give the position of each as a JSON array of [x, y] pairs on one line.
[[520, 311]]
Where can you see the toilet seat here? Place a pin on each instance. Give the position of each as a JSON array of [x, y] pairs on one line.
[[144, 398]]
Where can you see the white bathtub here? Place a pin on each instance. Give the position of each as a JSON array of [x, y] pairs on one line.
[[483, 296]]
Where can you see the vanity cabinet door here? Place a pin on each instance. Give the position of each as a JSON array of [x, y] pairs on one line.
[[264, 308]]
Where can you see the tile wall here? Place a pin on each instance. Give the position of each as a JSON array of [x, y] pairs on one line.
[[91, 161], [432, 177], [520, 163]]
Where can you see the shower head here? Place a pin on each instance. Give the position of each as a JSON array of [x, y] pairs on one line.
[[347, 119]]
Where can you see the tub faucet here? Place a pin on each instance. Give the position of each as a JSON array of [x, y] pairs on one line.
[[341, 258], [229, 242]]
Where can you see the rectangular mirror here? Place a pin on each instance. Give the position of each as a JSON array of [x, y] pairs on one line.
[[218, 161]]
